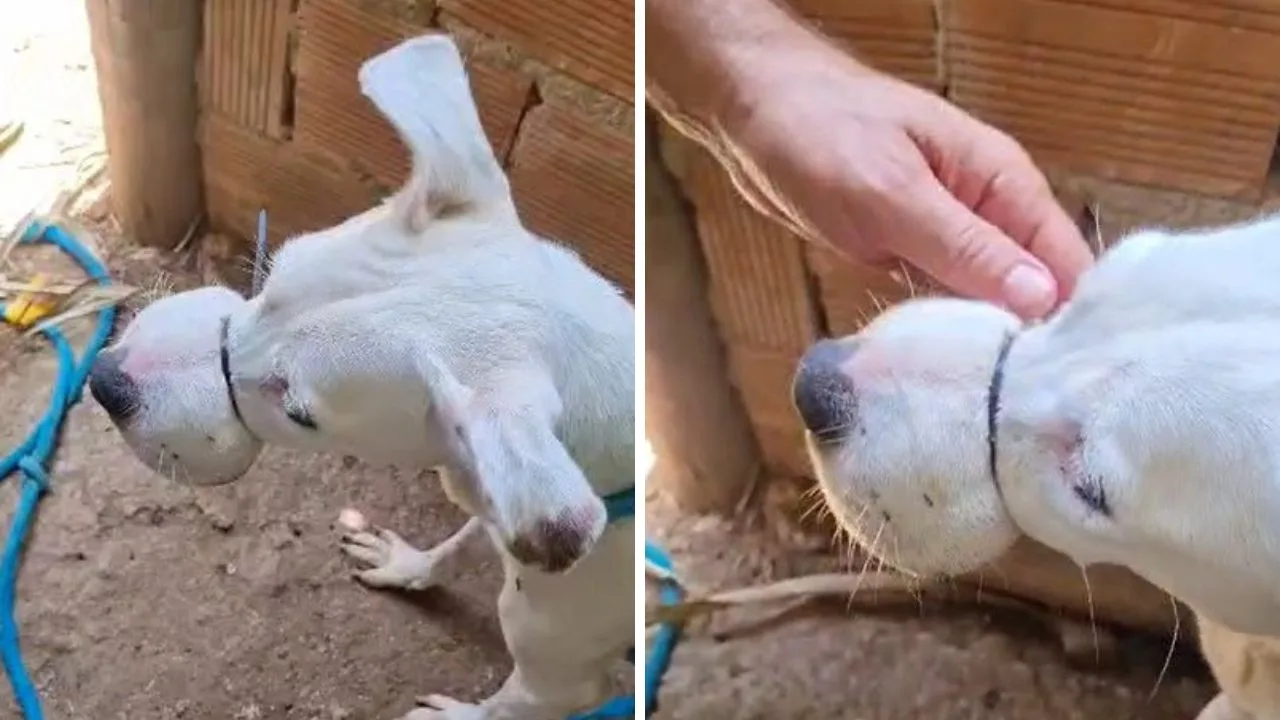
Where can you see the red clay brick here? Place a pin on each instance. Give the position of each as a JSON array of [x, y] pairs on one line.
[[574, 182], [245, 172], [592, 40], [333, 115], [244, 64], [759, 282]]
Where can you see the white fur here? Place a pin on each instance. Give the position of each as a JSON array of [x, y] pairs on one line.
[[1158, 384], [433, 331]]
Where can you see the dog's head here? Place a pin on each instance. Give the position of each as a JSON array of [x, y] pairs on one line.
[[161, 383], [1131, 431], [896, 420], [332, 356]]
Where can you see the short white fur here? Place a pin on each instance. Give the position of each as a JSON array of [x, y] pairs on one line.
[[1157, 385], [432, 331]]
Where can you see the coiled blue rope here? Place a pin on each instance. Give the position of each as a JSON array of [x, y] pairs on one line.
[[33, 456]]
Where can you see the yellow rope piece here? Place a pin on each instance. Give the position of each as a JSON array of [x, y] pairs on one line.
[[30, 307], [10, 131]]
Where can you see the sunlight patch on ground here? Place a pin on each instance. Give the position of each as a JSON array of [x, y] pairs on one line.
[[47, 82]]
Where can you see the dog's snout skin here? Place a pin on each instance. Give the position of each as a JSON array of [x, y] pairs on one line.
[[823, 394], [555, 545], [112, 387]]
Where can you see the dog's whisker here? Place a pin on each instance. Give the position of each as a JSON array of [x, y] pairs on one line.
[[1173, 644], [871, 552], [1093, 620], [876, 301], [906, 276], [814, 507]]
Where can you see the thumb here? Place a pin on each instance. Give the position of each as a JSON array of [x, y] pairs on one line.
[[972, 257]]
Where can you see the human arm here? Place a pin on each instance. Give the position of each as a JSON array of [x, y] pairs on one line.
[[876, 168]]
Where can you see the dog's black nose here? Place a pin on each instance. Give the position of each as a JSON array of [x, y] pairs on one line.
[[823, 394], [114, 390]]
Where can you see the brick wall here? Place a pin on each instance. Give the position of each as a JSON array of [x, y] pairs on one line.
[[285, 127]]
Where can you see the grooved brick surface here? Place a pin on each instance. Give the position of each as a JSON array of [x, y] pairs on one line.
[[758, 278], [1243, 14], [763, 379], [1176, 102], [592, 40], [301, 191], [852, 294], [332, 114], [574, 182], [243, 62]]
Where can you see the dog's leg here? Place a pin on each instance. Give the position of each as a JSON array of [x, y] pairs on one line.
[[394, 563], [1221, 708], [563, 632], [517, 700]]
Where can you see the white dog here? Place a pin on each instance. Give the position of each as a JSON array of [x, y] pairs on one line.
[[433, 331], [1139, 426]]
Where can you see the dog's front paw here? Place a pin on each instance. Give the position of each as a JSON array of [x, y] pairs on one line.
[[392, 562], [440, 707]]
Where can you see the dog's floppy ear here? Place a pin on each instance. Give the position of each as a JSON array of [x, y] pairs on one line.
[[450, 406], [421, 87]]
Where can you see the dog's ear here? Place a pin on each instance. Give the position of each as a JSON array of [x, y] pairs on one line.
[[506, 465], [448, 413], [421, 87]]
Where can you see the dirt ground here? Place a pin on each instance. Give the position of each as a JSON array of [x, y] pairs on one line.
[[824, 662], [142, 600]]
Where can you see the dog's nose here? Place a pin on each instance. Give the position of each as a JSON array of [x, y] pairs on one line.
[[823, 394], [555, 545], [112, 388]]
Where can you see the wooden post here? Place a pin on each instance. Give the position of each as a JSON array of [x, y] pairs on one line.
[[706, 454], [145, 52]]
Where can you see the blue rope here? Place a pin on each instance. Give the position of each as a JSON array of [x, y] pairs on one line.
[[664, 644], [33, 456], [620, 506]]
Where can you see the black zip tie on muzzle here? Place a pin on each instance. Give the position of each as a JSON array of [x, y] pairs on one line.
[[224, 359], [993, 404]]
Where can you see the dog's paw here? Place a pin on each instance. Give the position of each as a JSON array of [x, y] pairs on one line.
[[392, 562], [440, 707]]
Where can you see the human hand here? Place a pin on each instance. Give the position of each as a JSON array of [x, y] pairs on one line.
[[881, 170]]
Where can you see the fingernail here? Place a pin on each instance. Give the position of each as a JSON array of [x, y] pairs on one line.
[[1029, 291]]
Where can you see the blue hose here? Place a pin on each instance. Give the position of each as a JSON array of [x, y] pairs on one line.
[[33, 457]]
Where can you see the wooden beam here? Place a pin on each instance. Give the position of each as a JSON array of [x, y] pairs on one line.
[[145, 52], [706, 456]]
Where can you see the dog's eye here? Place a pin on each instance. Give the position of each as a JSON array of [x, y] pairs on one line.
[[1094, 495], [301, 418]]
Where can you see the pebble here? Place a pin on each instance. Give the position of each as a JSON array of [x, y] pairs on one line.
[[353, 520]]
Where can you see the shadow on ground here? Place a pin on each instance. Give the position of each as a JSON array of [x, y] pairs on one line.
[[826, 663]]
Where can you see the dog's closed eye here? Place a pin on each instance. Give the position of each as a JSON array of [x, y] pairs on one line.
[[301, 417], [1092, 493]]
